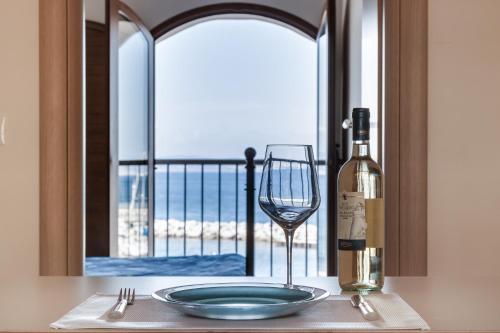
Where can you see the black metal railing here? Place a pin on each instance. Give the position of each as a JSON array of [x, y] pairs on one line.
[[189, 192]]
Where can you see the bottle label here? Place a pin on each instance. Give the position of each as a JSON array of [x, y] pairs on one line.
[[374, 210], [351, 221]]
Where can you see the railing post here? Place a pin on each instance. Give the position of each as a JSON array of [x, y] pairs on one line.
[[250, 189]]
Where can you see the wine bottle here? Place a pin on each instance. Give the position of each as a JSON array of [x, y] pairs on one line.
[[360, 213]]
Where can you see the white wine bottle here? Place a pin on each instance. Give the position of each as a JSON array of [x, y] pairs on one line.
[[360, 213]]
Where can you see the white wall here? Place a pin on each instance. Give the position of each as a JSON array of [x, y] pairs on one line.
[[19, 157], [95, 10], [153, 12], [464, 137]]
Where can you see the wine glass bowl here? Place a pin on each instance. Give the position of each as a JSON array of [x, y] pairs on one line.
[[289, 191]]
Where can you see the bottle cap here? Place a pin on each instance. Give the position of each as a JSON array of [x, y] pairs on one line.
[[360, 124], [361, 113]]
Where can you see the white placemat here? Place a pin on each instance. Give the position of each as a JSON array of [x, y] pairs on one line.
[[332, 314]]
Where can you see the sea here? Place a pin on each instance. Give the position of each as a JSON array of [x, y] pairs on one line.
[[185, 194], [189, 195]]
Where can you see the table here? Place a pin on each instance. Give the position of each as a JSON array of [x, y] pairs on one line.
[[447, 304]]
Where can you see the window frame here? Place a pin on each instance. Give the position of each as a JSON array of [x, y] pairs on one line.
[[405, 123], [115, 9], [234, 8], [295, 23], [61, 137], [405, 150]]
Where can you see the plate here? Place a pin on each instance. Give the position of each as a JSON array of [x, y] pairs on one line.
[[240, 301]]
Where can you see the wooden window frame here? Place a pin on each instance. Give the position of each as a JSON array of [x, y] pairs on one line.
[[234, 8], [405, 121], [97, 148], [61, 137]]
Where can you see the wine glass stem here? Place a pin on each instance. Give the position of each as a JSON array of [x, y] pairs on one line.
[[289, 246]]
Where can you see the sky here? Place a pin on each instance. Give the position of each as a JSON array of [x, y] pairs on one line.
[[226, 84]]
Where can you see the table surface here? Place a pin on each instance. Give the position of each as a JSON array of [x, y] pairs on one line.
[[462, 304]]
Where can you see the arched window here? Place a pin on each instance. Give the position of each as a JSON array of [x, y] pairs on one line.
[[224, 83], [231, 82]]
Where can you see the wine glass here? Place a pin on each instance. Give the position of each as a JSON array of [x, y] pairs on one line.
[[289, 191]]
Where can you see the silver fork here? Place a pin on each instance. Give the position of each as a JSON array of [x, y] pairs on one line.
[[124, 298]]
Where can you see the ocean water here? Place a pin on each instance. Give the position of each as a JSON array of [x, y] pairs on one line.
[[188, 195], [269, 260], [182, 195]]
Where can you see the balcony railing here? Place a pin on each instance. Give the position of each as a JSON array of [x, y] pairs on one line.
[[206, 206]]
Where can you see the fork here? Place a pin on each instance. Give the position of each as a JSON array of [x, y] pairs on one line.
[[124, 298]]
